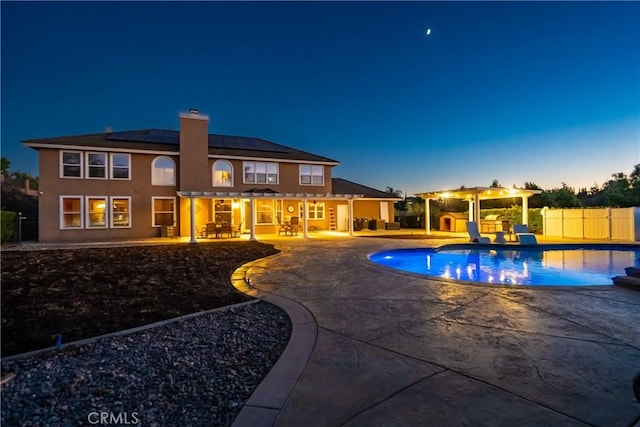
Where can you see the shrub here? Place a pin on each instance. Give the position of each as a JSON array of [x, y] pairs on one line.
[[7, 227]]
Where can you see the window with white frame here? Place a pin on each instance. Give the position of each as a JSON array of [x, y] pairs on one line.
[[70, 212], [71, 164], [311, 175], [120, 166], [96, 212], [164, 211], [96, 165], [120, 212], [260, 173], [264, 211], [223, 174], [163, 171], [315, 210]]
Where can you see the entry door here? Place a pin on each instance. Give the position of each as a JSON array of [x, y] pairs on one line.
[[343, 218], [384, 211]]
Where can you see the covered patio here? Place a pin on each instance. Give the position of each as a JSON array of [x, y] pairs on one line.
[[474, 195], [249, 199]]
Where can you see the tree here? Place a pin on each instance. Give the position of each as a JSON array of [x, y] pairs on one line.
[[393, 192], [5, 164], [495, 184]]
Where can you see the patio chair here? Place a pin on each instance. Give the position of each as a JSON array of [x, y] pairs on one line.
[[474, 234], [284, 228], [212, 228], [226, 229], [523, 236], [236, 230], [294, 226]]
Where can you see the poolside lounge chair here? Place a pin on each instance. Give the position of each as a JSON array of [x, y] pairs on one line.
[[523, 236], [474, 234]]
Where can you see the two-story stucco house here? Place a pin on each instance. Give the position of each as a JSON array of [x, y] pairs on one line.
[[126, 185]]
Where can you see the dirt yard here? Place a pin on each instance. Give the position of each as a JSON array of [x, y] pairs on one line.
[[82, 293]]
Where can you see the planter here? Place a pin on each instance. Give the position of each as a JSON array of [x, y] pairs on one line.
[[166, 231]]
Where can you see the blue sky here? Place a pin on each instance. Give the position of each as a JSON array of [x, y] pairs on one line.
[[545, 92]]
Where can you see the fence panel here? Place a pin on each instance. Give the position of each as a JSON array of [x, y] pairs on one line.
[[600, 223]]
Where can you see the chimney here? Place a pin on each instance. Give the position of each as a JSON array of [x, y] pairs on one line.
[[194, 151]]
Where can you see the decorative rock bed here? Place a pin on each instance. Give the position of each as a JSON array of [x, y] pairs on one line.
[[195, 371]]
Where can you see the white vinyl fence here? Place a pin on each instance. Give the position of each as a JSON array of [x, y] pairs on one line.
[[600, 223]]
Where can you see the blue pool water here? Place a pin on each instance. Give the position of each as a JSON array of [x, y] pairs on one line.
[[566, 265]]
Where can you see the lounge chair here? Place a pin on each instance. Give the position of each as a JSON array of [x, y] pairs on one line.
[[523, 236], [474, 234]]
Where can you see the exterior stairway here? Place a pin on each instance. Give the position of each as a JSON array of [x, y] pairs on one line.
[[631, 280]]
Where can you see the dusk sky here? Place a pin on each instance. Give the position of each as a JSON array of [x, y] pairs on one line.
[[545, 92]]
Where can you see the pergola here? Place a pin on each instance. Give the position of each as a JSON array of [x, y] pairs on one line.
[[474, 195]]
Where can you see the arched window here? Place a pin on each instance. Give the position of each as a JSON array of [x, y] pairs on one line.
[[222, 174], [163, 171]]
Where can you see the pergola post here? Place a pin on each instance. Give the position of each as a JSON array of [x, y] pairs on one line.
[[305, 232], [476, 209], [192, 215], [252, 214], [525, 210], [427, 216], [350, 217], [470, 210]]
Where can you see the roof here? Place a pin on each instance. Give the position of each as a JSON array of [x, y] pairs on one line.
[[483, 193], [342, 186], [169, 140]]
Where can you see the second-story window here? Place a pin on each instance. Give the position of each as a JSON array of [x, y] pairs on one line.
[[222, 174], [97, 165], [260, 173], [71, 164], [163, 171], [311, 175], [120, 166]]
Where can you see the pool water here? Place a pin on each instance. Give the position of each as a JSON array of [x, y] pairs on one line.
[[548, 266]]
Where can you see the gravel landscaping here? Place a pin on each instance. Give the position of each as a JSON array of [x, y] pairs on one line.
[[197, 372]]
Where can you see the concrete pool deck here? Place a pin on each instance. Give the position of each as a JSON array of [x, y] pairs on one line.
[[374, 346]]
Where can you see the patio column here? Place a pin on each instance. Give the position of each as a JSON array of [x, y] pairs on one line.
[[525, 210], [427, 216], [470, 210], [192, 215], [252, 214], [305, 232], [350, 217], [476, 209]]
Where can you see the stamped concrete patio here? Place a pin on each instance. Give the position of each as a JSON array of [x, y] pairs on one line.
[[372, 346]]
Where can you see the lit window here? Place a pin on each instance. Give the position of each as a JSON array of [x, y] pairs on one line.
[[222, 174], [164, 211], [264, 211], [222, 210], [311, 175], [163, 171], [120, 166], [96, 212], [315, 210], [70, 212], [97, 165], [260, 173], [71, 164], [120, 212]]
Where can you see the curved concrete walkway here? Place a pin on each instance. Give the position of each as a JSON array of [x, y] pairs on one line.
[[395, 349]]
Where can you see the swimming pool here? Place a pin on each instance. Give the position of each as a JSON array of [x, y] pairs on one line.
[[546, 265]]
